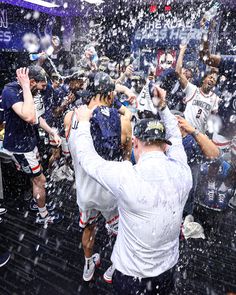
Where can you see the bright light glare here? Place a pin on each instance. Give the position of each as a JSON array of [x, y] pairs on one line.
[[43, 3]]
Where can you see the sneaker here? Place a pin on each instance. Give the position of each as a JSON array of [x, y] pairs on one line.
[[34, 207], [4, 258], [49, 218], [3, 211], [90, 266], [232, 202], [108, 274]]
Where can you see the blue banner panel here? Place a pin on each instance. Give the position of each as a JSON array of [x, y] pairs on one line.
[[23, 30]]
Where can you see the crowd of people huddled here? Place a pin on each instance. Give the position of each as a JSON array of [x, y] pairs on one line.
[[142, 152]]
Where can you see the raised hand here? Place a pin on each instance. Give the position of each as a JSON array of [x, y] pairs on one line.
[[22, 75], [184, 124], [159, 97]]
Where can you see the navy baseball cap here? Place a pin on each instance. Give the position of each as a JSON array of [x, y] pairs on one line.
[[150, 130]]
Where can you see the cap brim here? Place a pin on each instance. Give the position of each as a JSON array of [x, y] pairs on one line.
[[168, 142]]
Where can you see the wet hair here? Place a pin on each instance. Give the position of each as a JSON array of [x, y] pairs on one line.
[[37, 73]]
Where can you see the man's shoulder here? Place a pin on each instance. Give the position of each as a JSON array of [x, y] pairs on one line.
[[11, 88]]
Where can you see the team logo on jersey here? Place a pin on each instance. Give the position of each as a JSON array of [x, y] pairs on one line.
[[105, 112], [155, 125]]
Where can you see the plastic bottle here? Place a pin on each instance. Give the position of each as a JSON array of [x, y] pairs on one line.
[[35, 56]]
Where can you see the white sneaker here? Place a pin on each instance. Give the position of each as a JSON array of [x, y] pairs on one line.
[[108, 274], [89, 267]]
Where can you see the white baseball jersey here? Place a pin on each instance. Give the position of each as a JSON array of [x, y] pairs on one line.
[[199, 106]]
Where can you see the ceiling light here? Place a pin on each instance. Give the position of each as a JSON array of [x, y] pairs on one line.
[[42, 3], [98, 2]]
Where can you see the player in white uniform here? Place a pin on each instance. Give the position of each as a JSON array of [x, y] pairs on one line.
[[200, 102]]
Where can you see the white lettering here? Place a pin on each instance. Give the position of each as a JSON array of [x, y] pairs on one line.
[[5, 36], [3, 19]]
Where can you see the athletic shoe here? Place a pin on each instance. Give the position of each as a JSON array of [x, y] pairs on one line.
[[232, 202], [4, 258], [108, 274], [34, 207], [90, 266], [49, 218], [3, 211]]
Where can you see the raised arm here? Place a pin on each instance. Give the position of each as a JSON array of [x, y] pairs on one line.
[[179, 66], [176, 150], [26, 109], [208, 148], [126, 137], [206, 56], [107, 173]]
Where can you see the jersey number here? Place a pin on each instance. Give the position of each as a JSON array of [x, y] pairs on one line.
[[199, 113]]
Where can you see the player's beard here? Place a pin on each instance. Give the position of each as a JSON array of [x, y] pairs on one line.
[[34, 90]]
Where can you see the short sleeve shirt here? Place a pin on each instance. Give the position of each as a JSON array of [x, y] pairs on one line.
[[199, 106], [20, 136]]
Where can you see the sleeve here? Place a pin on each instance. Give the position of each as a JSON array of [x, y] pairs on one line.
[[227, 67], [107, 173], [189, 91], [117, 104], [176, 150], [10, 97]]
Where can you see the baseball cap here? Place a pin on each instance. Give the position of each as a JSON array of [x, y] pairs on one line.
[[37, 73], [150, 130]]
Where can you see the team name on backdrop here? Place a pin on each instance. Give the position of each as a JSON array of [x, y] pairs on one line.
[[5, 36], [162, 29], [172, 23]]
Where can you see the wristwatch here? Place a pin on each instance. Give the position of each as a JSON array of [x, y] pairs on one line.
[[162, 108], [195, 133]]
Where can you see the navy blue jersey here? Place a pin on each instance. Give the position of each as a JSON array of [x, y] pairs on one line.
[[48, 100], [106, 133], [192, 149], [20, 136]]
